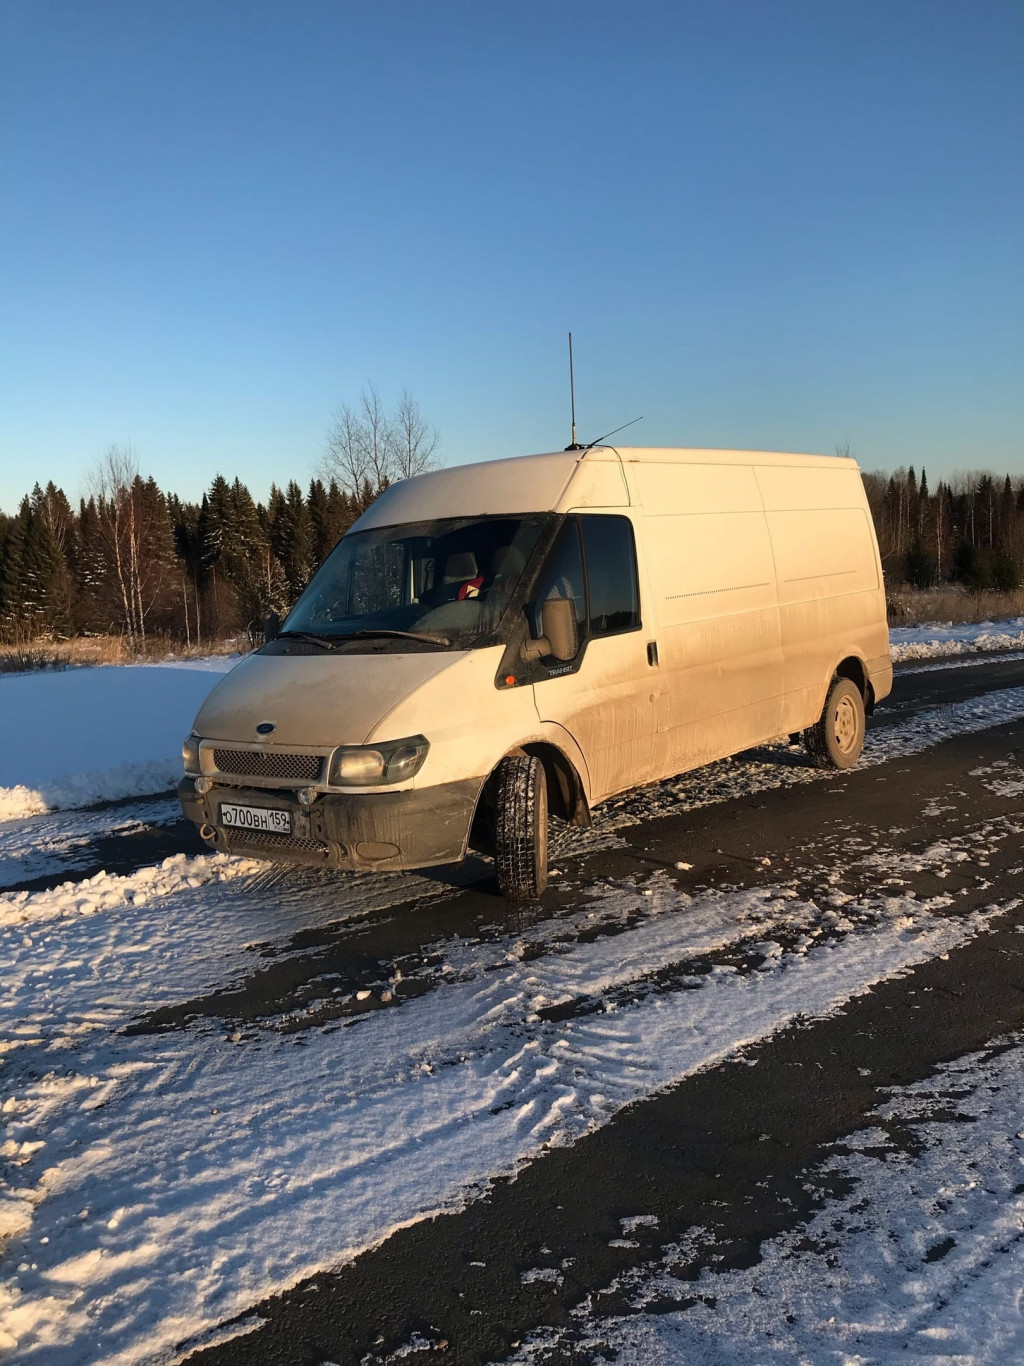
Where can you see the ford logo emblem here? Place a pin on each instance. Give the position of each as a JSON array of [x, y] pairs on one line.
[[265, 728]]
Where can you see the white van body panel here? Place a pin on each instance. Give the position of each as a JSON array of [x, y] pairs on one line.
[[714, 609], [831, 593], [311, 702], [527, 483], [611, 709], [470, 723]]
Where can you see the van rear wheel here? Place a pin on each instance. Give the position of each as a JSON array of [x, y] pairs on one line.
[[521, 827], [837, 737]]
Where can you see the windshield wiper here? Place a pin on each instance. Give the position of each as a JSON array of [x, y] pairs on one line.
[[323, 641], [401, 635], [331, 642]]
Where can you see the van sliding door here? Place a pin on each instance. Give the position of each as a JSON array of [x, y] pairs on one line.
[[709, 557]]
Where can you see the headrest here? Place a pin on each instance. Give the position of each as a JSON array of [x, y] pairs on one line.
[[460, 566], [507, 562]]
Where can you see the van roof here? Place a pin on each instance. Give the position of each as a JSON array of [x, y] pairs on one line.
[[541, 483]]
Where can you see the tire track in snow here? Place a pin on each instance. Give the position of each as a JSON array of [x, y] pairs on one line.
[[212, 1174], [561, 1078]]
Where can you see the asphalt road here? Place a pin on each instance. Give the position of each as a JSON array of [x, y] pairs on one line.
[[729, 1149]]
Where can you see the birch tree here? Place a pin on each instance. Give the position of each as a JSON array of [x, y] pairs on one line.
[[369, 448], [135, 533]]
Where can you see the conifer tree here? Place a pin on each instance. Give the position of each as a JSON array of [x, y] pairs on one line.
[[10, 578], [40, 572]]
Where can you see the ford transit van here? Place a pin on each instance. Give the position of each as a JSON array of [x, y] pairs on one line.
[[496, 644]]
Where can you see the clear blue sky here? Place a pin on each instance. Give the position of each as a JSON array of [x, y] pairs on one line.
[[772, 224]]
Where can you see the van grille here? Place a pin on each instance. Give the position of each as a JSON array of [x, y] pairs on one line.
[[271, 840], [268, 763]]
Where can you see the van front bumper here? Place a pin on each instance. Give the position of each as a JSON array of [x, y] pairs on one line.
[[416, 828]]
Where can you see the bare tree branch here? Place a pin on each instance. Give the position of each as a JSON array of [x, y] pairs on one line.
[[415, 440], [380, 441], [345, 457], [128, 509], [371, 448]]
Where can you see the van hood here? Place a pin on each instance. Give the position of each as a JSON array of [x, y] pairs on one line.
[[313, 700]]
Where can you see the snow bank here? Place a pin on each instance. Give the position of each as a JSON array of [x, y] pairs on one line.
[[89, 735], [106, 891], [937, 639]]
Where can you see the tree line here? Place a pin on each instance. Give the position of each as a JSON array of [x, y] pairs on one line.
[[136, 561], [969, 531]]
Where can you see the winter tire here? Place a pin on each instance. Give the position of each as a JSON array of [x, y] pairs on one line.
[[521, 827], [837, 738]]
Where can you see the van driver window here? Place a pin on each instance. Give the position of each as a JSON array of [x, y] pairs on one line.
[[563, 578], [611, 574]]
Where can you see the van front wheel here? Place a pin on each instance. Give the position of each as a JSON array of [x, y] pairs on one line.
[[837, 738], [521, 827]]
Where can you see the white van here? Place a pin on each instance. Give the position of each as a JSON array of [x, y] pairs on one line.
[[495, 643]]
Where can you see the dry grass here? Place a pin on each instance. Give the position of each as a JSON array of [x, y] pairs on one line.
[[86, 650], [20, 659], [913, 607]]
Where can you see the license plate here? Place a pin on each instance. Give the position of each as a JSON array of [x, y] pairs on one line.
[[257, 818]]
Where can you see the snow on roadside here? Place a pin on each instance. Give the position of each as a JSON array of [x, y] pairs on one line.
[[61, 842], [939, 639], [925, 1254], [962, 662], [107, 891], [74, 738], [60, 732], [161, 1184]]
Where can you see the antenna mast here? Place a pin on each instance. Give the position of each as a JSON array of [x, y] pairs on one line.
[[574, 444]]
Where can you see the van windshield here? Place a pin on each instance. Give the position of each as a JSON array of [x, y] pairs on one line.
[[443, 584]]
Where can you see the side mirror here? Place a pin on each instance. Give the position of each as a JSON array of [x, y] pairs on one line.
[[560, 638], [271, 626]]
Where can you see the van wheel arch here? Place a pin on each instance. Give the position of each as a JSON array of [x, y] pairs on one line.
[[852, 667], [566, 796]]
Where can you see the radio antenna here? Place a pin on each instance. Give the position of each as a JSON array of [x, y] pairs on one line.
[[574, 445], [590, 444]]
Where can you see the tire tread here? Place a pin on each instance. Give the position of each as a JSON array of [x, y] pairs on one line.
[[522, 871], [816, 737]]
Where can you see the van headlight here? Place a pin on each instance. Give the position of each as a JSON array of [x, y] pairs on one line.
[[374, 765], [190, 753]]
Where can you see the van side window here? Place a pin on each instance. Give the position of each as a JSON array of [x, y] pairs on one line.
[[611, 574], [563, 578]]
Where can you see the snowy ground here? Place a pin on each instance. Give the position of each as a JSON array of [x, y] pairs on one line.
[[161, 1184], [934, 1277], [81, 736], [157, 1184], [937, 639]]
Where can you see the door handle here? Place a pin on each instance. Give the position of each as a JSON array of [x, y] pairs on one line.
[[652, 653]]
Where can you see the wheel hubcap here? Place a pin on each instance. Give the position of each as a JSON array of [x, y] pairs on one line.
[[846, 725]]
